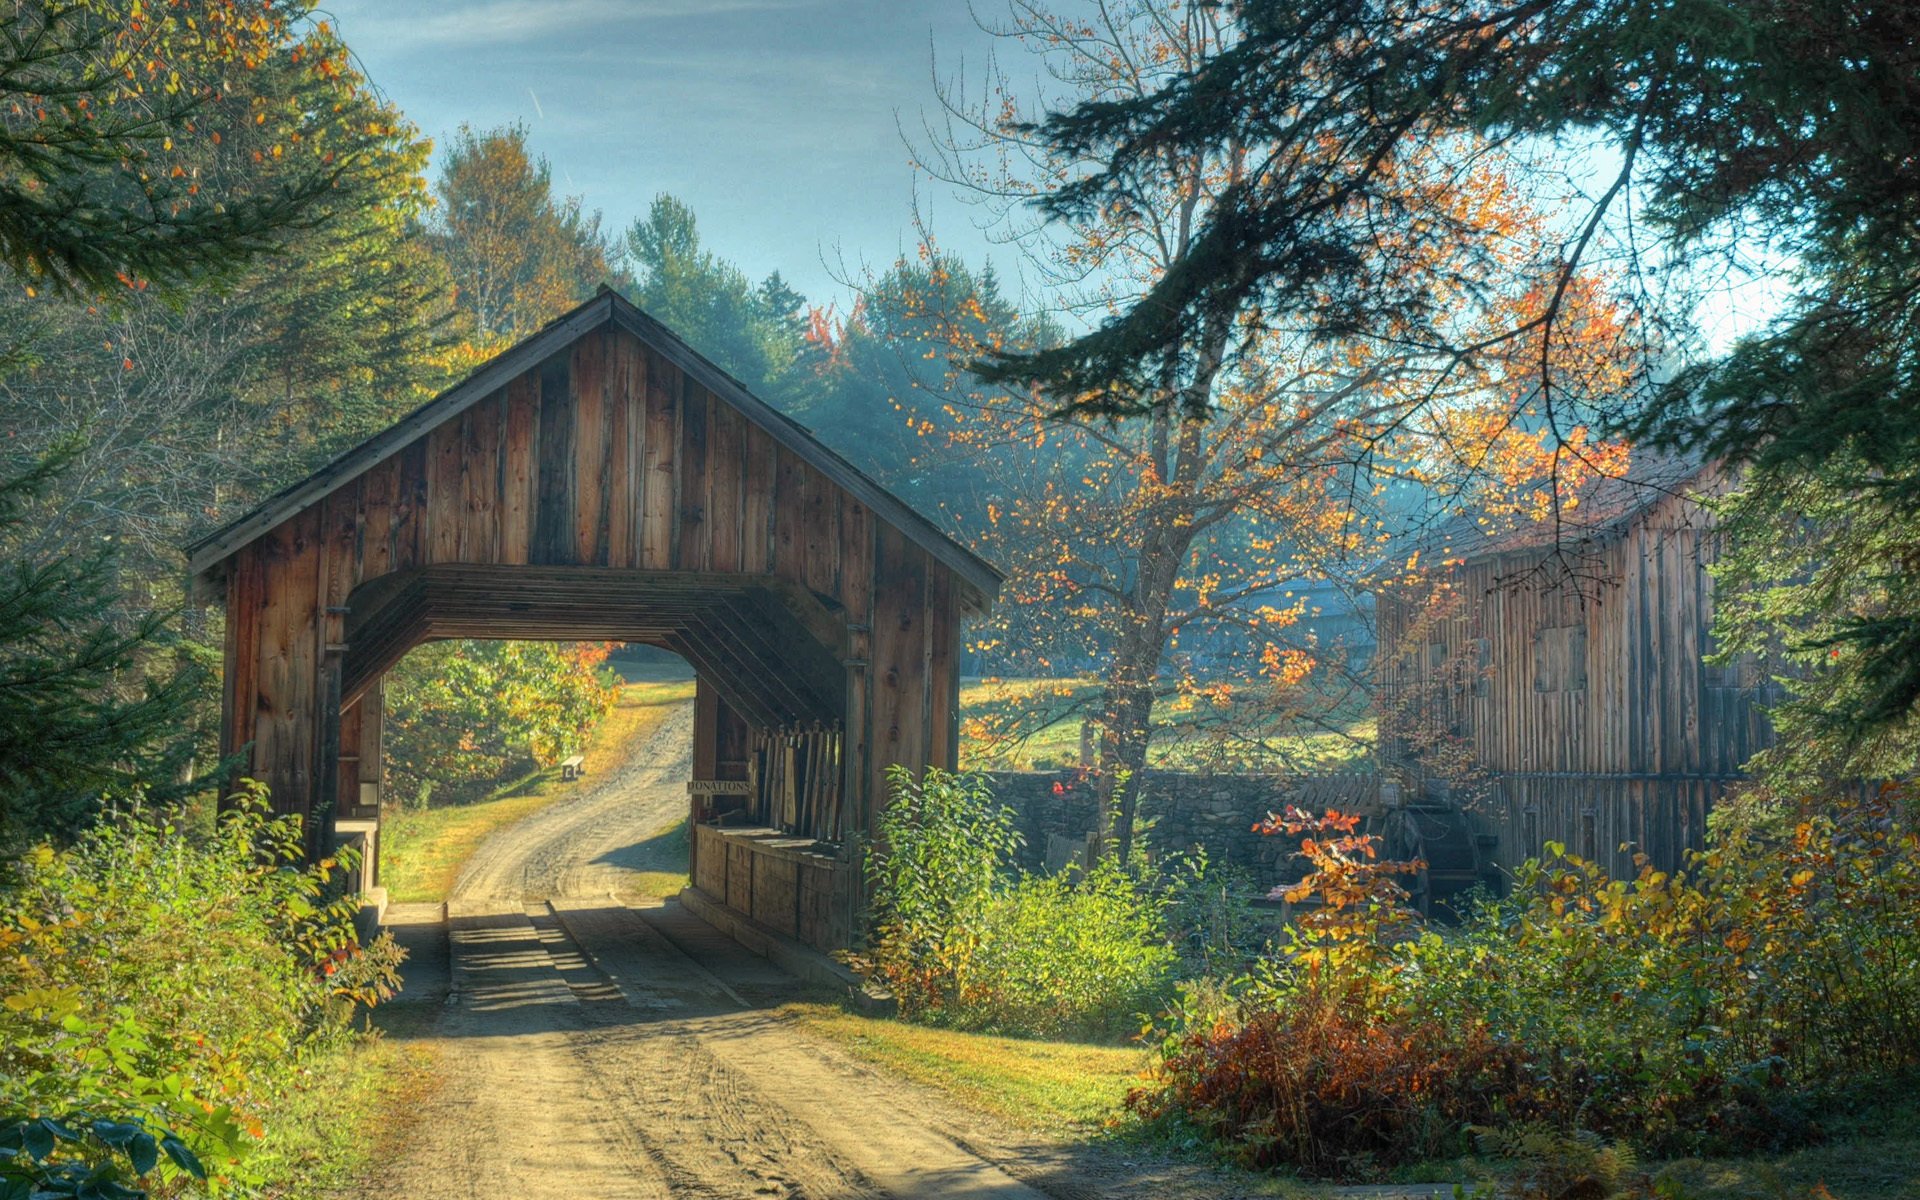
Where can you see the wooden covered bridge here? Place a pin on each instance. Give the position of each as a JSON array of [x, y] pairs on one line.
[[603, 481]]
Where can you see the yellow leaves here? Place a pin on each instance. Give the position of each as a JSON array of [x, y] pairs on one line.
[[45, 1003]]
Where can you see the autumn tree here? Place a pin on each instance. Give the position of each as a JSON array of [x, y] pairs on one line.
[[878, 395], [461, 714], [106, 107], [1772, 141], [519, 255], [1247, 456], [184, 407], [151, 154]]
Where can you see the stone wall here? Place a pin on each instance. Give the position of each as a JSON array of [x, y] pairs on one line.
[[1057, 810]]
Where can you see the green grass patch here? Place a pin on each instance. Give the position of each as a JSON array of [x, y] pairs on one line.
[[423, 850], [1871, 1157], [334, 1119], [1060, 1088], [1042, 710], [655, 693], [659, 866]]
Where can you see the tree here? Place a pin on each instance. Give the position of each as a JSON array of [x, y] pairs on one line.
[[1776, 132], [107, 103], [86, 714], [461, 714], [1250, 456], [756, 334], [519, 256], [181, 407], [194, 145], [880, 392]]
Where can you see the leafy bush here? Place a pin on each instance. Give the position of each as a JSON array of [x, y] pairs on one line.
[[1217, 933], [1055, 955], [1318, 1085], [1704, 1011], [154, 986], [461, 714], [962, 939], [938, 854]]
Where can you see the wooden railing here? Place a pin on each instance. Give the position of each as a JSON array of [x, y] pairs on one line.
[[795, 774]]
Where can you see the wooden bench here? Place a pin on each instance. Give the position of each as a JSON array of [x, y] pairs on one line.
[[572, 768]]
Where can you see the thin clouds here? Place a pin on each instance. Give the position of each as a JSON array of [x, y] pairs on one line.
[[774, 119], [419, 23]]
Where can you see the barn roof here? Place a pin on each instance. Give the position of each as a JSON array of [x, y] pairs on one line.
[[207, 554], [1608, 505]]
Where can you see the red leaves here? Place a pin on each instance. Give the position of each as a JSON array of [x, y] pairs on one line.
[[1320, 1086]]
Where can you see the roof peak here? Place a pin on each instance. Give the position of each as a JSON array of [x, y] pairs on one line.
[[209, 552]]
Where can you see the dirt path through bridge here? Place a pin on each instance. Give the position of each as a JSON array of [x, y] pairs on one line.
[[593, 842], [592, 1048]]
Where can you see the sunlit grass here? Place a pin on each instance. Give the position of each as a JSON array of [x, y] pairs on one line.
[[1061, 1088], [655, 693], [1055, 744], [423, 850], [663, 869], [334, 1123]]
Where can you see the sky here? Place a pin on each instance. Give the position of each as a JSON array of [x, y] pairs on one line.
[[777, 120]]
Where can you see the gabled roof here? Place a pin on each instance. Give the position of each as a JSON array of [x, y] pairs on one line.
[[207, 553], [1608, 506]]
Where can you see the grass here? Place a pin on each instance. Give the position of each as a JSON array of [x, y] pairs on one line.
[[662, 869], [991, 704], [1059, 1088], [423, 850], [1872, 1157], [332, 1123]]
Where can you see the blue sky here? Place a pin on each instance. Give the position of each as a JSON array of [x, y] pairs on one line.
[[775, 119]]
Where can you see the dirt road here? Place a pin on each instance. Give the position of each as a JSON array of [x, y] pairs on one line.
[[592, 1048], [593, 842]]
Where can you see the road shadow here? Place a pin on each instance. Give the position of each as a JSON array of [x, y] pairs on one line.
[[662, 851]]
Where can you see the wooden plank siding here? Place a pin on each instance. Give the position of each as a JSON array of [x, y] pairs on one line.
[[1619, 735], [605, 492]]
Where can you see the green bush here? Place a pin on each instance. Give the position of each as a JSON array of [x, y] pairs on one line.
[[960, 938], [157, 985], [1054, 955], [1711, 1010]]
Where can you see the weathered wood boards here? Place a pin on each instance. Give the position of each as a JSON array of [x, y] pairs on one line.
[[1580, 687], [611, 485]]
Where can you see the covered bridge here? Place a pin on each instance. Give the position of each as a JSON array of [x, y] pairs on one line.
[[603, 481]]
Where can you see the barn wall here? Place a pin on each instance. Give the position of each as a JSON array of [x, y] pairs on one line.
[[1647, 739], [605, 455]]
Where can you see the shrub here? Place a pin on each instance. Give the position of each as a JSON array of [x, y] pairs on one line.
[[962, 939], [1056, 956], [1217, 933], [165, 985], [1321, 1086], [939, 850], [1703, 1011]]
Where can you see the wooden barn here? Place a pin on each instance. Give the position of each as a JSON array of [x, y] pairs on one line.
[[1548, 681], [603, 481]]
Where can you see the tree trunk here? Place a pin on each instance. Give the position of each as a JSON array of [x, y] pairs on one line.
[[1123, 752]]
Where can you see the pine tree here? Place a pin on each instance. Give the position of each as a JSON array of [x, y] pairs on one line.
[[90, 710]]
